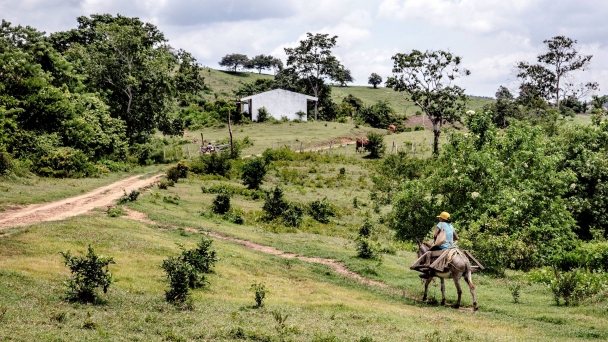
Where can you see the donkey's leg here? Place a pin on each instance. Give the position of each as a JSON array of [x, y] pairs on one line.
[[469, 281], [456, 277], [442, 292], [426, 287]]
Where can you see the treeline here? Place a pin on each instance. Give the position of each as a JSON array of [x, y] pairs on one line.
[[78, 102]]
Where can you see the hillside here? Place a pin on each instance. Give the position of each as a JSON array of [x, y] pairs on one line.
[[225, 83]]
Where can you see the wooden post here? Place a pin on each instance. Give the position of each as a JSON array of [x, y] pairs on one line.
[[393, 149], [300, 147], [164, 154], [189, 155], [202, 139], [230, 131], [175, 150]]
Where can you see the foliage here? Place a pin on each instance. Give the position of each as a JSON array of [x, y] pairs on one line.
[[392, 172], [313, 61], [375, 145], [234, 61], [221, 204], [378, 115], [551, 78], [260, 62], [263, 115], [171, 199], [253, 172], [214, 163], [413, 214], [203, 258], [116, 211], [65, 162], [130, 197], [256, 87], [163, 184], [5, 162], [180, 170], [367, 248], [504, 109], [374, 79], [321, 210], [274, 204], [259, 291], [234, 190], [89, 273], [179, 274], [427, 78], [574, 286], [293, 215], [342, 76]]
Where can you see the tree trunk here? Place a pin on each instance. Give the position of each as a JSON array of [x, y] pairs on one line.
[[230, 131], [436, 133]]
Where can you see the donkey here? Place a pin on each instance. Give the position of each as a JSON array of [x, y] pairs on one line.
[[457, 268]]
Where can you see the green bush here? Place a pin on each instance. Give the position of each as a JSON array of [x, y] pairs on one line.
[[221, 204], [5, 162], [171, 199], [419, 128], [130, 197], [65, 162], [180, 170], [263, 114], [165, 183], [259, 291], [293, 216], [213, 164], [274, 204], [375, 145], [116, 212], [234, 190], [88, 274], [179, 274], [253, 172], [235, 215], [575, 286], [367, 248], [203, 258], [321, 210]]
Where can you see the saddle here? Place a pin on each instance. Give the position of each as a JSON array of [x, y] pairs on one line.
[[440, 260]]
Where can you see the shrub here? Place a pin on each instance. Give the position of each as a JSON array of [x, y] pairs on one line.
[[180, 170], [221, 204], [375, 145], [116, 212], [263, 114], [292, 217], [234, 215], [321, 210], [88, 274], [202, 259], [366, 247], [130, 197], [574, 286], [165, 183], [515, 289], [254, 171], [418, 128], [65, 162], [274, 205], [5, 162], [283, 153], [259, 291], [234, 190], [342, 171], [171, 199], [179, 274], [216, 164], [301, 115]]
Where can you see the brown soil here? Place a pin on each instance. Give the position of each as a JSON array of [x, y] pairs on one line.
[[72, 206]]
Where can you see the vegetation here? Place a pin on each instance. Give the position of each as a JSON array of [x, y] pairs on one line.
[[253, 172], [375, 145], [89, 273], [374, 80]]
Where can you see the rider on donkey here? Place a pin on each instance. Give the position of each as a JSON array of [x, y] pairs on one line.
[[450, 236]]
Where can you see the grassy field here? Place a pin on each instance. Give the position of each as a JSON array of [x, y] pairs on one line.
[[320, 304]]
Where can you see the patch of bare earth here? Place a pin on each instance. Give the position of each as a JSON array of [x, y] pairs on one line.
[[73, 206]]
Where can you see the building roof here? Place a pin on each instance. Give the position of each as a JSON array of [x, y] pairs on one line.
[[311, 98]]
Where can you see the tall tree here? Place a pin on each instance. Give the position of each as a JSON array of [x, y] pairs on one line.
[[427, 78], [260, 62], [313, 61], [131, 64], [551, 78], [343, 76], [234, 61], [374, 79]]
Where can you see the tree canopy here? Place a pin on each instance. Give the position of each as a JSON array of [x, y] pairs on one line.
[[374, 79], [234, 61]]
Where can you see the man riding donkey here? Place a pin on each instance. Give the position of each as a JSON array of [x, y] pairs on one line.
[[445, 260]]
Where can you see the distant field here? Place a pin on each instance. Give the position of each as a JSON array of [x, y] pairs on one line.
[[224, 84]]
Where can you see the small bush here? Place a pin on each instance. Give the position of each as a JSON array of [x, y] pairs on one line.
[[221, 204], [375, 145], [165, 183], [263, 114], [88, 274], [171, 199], [301, 115], [130, 197], [234, 190], [179, 274], [515, 289], [274, 205], [259, 291], [235, 215], [342, 171], [418, 128], [180, 170], [366, 247], [116, 212], [5, 162], [321, 210], [202, 258], [254, 171], [213, 164], [292, 217]]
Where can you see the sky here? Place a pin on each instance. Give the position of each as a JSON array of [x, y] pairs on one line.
[[490, 35]]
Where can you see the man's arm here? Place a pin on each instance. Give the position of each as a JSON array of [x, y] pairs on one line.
[[455, 236]]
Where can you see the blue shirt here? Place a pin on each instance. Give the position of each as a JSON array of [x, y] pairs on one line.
[[449, 234]]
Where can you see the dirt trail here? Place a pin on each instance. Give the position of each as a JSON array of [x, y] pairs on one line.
[[73, 206]]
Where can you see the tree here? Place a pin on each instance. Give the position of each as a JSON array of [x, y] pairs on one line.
[[551, 78], [504, 108], [260, 62], [378, 115], [427, 78], [277, 65], [234, 61], [254, 171], [374, 79], [343, 76], [313, 61]]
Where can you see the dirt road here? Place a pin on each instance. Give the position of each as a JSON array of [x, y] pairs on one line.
[[73, 206]]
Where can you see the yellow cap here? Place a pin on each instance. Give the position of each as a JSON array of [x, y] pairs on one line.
[[444, 215]]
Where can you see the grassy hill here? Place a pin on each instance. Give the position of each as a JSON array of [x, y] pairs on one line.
[[224, 84]]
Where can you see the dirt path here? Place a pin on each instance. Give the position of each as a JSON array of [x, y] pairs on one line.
[[73, 206]]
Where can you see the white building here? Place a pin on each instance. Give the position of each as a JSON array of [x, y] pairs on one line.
[[278, 103]]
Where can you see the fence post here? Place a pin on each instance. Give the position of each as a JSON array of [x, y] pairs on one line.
[[300, 147], [164, 154], [393, 149], [189, 156]]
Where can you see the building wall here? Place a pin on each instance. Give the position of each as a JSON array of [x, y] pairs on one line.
[[278, 104]]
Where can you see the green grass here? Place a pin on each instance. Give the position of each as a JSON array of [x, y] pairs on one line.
[[223, 83]]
